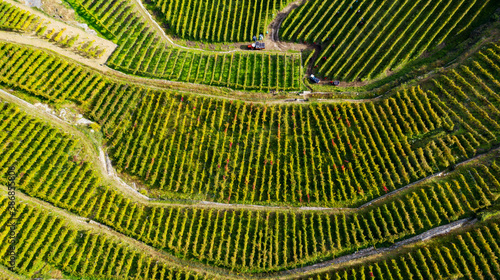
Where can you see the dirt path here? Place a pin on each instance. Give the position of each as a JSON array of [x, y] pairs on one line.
[[273, 40]]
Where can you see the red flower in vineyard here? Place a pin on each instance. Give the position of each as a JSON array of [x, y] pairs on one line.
[[182, 98], [230, 145], [198, 119], [385, 189], [338, 118], [253, 187], [346, 160], [350, 146], [371, 274], [343, 168], [308, 199], [194, 108], [218, 165], [227, 160], [271, 162], [304, 152]]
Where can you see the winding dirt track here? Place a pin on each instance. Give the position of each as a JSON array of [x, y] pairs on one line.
[[274, 27]]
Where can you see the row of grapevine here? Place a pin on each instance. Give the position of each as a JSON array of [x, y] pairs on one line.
[[247, 71], [218, 21], [49, 168], [49, 239], [364, 39], [472, 254]]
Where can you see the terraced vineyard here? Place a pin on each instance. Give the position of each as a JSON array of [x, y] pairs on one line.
[[238, 239], [218, 21], [170, 162], [228, 151], [365, 39], [142, 51]]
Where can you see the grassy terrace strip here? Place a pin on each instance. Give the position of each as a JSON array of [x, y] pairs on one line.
[[182, 146], [52, 167], [218, 21], [472, 254], [362, 40], [143, 52], [51, 246]]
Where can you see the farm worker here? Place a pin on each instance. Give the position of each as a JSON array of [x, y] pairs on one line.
[[254, 38], [261, 37]]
